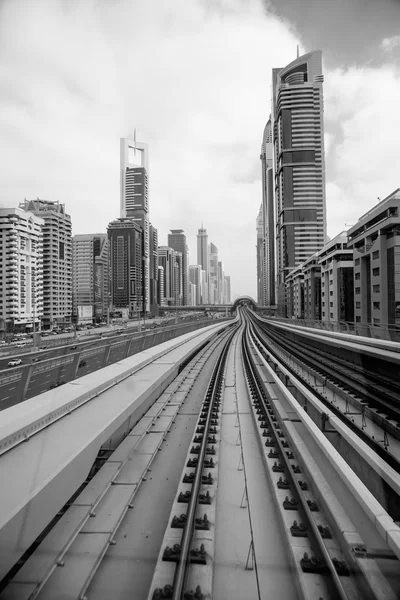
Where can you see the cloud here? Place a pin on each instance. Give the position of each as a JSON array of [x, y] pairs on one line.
[[364, 158], [193, 77], [389, 44]]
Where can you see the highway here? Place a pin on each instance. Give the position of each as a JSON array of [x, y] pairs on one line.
[[225, 485], [92, 350]]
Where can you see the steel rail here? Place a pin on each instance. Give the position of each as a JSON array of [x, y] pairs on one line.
[[341, 593], [187, 536], [380, 450]]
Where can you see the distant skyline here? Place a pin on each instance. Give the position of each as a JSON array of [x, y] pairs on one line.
[[194, 78]]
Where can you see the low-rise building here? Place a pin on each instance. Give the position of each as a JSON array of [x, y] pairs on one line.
[[337, 293], [375, 240]]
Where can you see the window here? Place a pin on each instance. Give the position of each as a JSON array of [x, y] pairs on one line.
[[357, 276], [375, 254], [358, 319], [331, 315], [61, 250], [358, 290], [376, 305], [377, 321], [323, 304], [357, 261], [331, 304], [376, 289], [323, 313], [375, 271], [358, 304], [331, 293]]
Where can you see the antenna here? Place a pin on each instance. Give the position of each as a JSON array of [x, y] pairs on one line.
[[134, 141], [298, 51]]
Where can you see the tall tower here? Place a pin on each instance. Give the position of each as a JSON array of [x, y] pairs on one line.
[[57, 260], [125, 243], [298, 138], [135, 201], [260, 258], [268, 217], [177, 241], [213, 274]]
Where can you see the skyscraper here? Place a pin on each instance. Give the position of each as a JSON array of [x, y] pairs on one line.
[[195, 278], [177, 241], [90, 277], [57, 260], [203, 256], [260, 250], [213, 274], [125, 243], [166, 262], [134, 199], [153, 269], [227, 289], [268, 217], [21, 271], [298, 138]]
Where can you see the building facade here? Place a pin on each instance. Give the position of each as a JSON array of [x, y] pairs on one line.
[[260, 255], [227, 290], [166, 262], [268, 218], [90, 277], [177, 241], [125, 238], [134, 159], [312, 288], [153, 269], [196, 279], [299, 182], [375, 241], [337, 288], [57, 260], [203, 255], [21, 270]]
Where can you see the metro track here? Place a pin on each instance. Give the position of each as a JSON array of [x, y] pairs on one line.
[[215, 493]]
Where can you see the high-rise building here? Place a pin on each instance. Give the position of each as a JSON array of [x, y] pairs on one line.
[[204, 287], [192, 294], [260, 250], [375, 241], [195, 278], [166, 261], [298, 138], [134, 200], [203, 256], [57, 260], [21, 270], [126, 259], [221, 282], [213, 274], [90, 277], [161, 286], [268, 216], [153, 269], [178, 278], [177, 241], [227, 289]]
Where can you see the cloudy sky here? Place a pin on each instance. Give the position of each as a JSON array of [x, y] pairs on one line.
[[193, 77]]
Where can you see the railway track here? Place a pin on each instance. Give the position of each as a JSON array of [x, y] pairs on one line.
[[216, 492], [319, 377]]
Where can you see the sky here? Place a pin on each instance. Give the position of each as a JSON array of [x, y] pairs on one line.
[[194, 78]]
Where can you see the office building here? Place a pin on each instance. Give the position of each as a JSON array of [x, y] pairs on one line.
[[21, 270], [204, 287], [375, 241], [260, 250], [195, 277], [126, 259], [213, 274], [227, 299], [134, 200], [268, 219], [90, 277], [178, 289], [192, 294], [337, 288], [203, 256], [166, 261], [312, 287], [177, 241], [153, 270], [161, 286], [57, 260], [298, 138], [221, 282]]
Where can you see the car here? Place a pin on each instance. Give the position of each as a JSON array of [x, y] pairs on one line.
[[36, 359], [15, 362], [83, 363], [2, 342], [56, 384], [73, 347], [20, 345]]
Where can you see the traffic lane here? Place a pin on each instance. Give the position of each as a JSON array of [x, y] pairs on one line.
[[117, 352], [46, 374], [90, 364], [11, 388]]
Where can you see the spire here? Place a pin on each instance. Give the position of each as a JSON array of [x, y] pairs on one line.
[[298, 51], [202, 224]]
